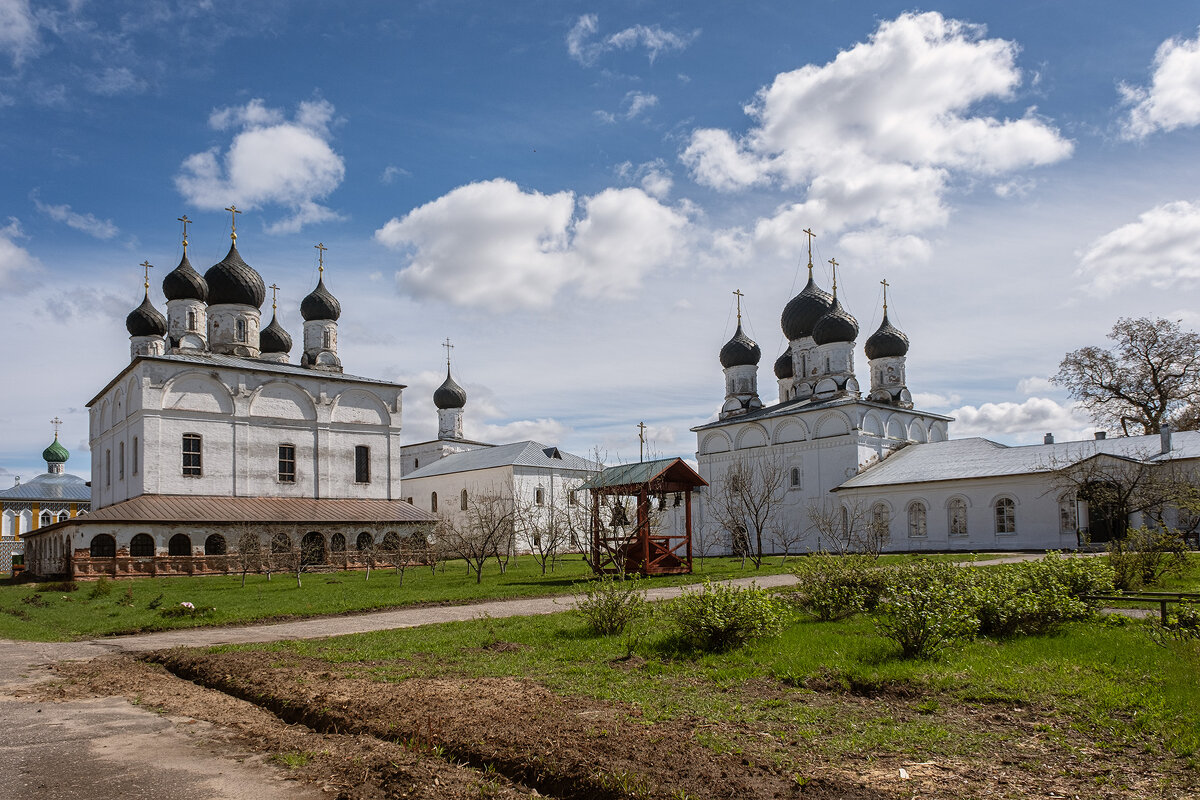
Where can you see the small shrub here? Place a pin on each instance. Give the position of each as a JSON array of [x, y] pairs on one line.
[[1144, 555], [57, 586], [100, 588], [1081, 576], [127, 598], [720, 617], [1182, 626], [838, 586], [926, 606], [609, 605], [1021, 599]]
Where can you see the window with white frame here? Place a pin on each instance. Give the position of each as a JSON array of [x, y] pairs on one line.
[[1068, 513], [916, 519], [1006, 515], [191, 455], [958, 516], [287, 463]]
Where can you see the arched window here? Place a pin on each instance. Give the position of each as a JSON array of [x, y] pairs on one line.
[[281, 543], [103, 546], [539, 496], [191, 319], [312, 548], [327, 339], [796, 478], [47, 519], [364, 542], [337, 543], [1006, 515], [391, 542], [240, 328], [179, 545], [916, 518], [141, 546], [880, 517], [214, 545], [572, 498], [958, 516], [1068, 513], [433, 501], [462, 500]]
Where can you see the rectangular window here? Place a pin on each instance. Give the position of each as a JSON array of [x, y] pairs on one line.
[[362, 464], [134, 456], [191, 455], [287, 463], [108, 467], [121, 461]]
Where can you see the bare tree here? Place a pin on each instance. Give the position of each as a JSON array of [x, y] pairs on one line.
[[849, 526], [787, 534], [479, 532], [249, 544], [541, 527], [746, 502], [1150, 377]]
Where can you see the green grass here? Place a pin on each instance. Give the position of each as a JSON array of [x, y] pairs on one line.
[[1107, 680], [126, 606]]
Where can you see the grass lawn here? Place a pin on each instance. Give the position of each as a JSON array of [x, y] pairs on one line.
[[1104, 680], [137, 605]]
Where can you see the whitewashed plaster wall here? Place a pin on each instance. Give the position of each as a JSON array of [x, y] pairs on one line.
[[242, 415]]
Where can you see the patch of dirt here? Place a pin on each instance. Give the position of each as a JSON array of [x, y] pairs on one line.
[[573, 749]]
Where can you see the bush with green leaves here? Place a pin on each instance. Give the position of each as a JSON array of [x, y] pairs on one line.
[[1082, 576], [610, 605], [720, 616], [1144, 555], [831, 587], [926, 606], [1182, 626], [1023, 598]]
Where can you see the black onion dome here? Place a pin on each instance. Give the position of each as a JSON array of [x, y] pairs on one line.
[[184, 283], [145, 320], [803, 311], [232, 280], [320, 304], [836, 326], [449, 394], [740, 351], [887, 341], [274, 339], [783, 366]]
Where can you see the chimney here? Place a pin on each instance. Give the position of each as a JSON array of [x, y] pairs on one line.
[[1100, 436], [1164, 434], [1048, 438]]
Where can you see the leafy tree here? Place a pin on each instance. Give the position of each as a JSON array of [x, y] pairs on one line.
[[1150, 377]]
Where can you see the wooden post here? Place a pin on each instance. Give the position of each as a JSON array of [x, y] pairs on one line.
[[643, 526], [595, 532], [687, 516]]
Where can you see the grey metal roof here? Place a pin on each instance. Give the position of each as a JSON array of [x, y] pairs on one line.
[[517, 454], [982, 458], [810, 404], [237, 362], [68, 488]]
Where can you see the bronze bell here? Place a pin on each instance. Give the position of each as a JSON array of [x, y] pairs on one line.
[[662, 502], [678, 500], [618, 515]]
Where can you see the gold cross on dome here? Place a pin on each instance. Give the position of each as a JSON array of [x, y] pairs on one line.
[[833, 261], [739, 294], [184, 219], [274, 295], [641, 441], [885, 285], [448, 347], [321, 248], [56, 422], [811, 236], [233, 212], [147, 266]]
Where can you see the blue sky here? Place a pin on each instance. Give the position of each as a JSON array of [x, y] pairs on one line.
[[571, 191]]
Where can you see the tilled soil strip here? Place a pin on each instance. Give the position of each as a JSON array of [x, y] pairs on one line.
[[576, 750]]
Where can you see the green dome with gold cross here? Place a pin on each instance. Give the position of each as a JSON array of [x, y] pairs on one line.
[[55, 453]]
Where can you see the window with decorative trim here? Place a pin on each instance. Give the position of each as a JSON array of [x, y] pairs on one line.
[[917, 518], [796, 478], [1006, 515]]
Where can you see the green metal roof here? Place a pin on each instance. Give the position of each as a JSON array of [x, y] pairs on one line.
[[637, 474]]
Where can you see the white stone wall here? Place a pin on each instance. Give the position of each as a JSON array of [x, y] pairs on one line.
[[243, 415], [422, 454]]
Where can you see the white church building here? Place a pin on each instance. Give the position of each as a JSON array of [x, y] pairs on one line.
[[210, 427], [880, 458]]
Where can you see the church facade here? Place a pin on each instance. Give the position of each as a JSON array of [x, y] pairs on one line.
[[209, 411], [54, 496]]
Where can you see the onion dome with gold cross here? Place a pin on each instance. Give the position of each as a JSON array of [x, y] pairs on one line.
[[741, 350], [184, 283], [783, 366], [273, 338], [888, 341], [145, 320], [55, 453], [231, 280], [836, 326], [320, 304], [449, 394], [803, 311]]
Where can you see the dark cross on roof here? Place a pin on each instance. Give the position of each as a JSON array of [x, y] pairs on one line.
[[811, 236], [56, 422], [184, 219], [321, 248], [448, 347], [833, 261], [233, 212], [641, 441], [274, 295], [147, 266], [739, 294], [885, 285]]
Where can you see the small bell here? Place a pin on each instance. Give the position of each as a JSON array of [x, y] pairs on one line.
[[662, 502], [619, 517], [678, 500]]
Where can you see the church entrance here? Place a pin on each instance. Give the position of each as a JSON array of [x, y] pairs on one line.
[[312, 549]]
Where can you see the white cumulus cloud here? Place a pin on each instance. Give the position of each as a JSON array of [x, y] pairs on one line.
[[88, 223], [585, 48], [1173, 98], [491, 244], [875, 137], [1025, 421], [1161, 248], [18, 267], [18, 30], [270, 162]]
